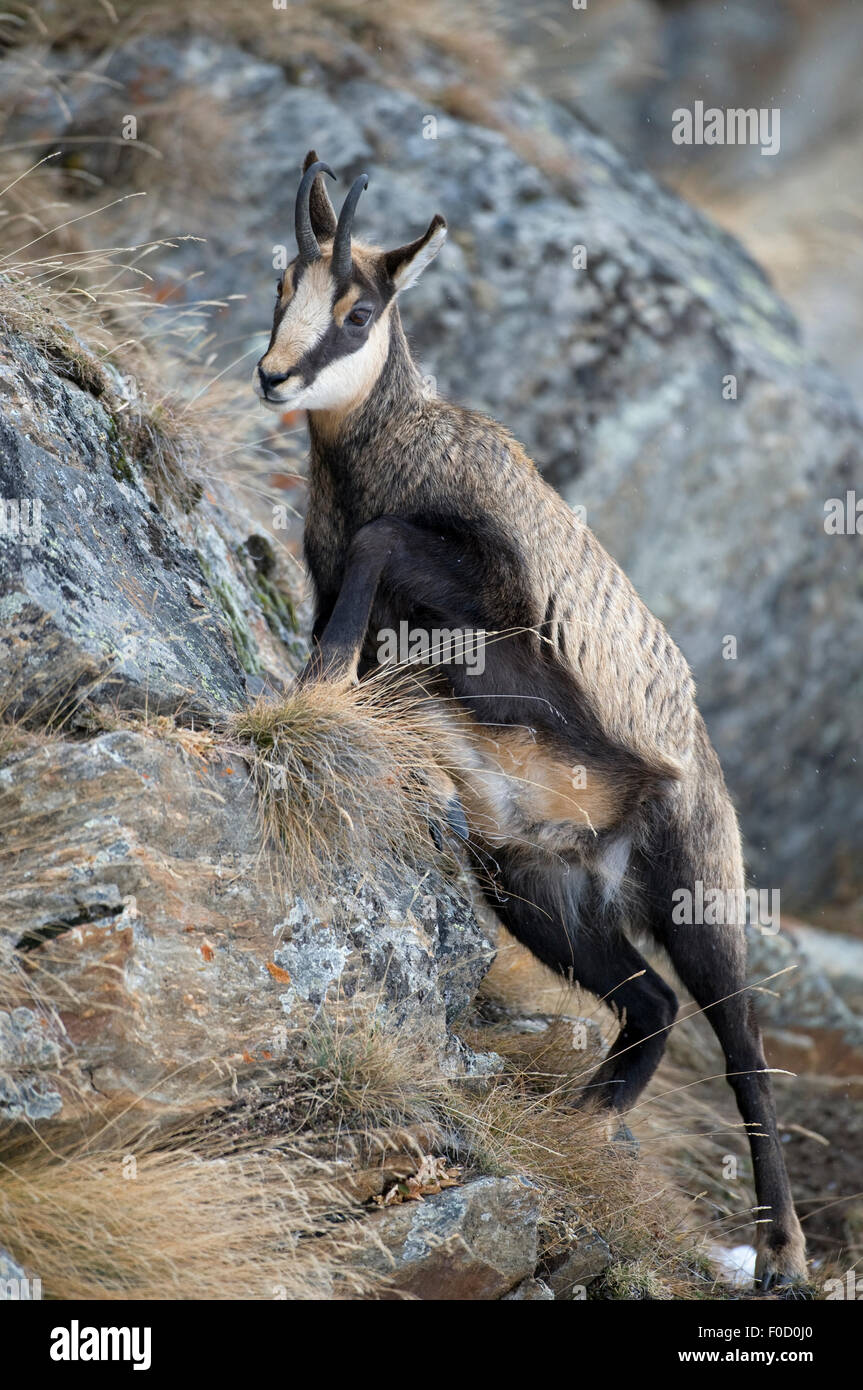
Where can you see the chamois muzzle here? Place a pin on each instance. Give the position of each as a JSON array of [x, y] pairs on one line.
[[270, 380], [341, 266], [307, 242]]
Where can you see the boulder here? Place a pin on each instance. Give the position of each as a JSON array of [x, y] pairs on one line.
[[148, 953], [102, 591], [579, 1256], [472, 1242], [808, 1025]]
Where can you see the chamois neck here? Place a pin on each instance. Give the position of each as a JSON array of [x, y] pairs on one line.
[[398, 388]]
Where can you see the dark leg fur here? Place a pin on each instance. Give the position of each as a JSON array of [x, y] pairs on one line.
[[711, 962], [560, 916], [397, 570]]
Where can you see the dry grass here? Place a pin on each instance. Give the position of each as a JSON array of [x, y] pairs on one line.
[[120, 323], [377, 1100], [355, 1074], [76, 308], [259, 1200], [241, 1200], [663, 1216], [137, 1215], [346, 775], [528, 1124]]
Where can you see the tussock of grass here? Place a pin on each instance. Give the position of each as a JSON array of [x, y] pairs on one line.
[[364, 1076], [136, 1216], [346, 775], [531, 1126]]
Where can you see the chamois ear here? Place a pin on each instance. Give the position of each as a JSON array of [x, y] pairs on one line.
[[405, 265], [321, 210]]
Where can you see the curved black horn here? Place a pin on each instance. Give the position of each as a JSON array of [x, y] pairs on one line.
[[307, 242], [342, 241]]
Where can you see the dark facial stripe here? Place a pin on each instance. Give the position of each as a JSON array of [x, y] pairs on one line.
[[334, 344]]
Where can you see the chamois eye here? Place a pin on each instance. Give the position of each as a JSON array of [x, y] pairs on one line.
[[358, 317], [279, 287]]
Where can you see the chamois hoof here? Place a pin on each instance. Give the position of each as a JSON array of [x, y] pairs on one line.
[[626, 1140], [782, 1270], [456, 819], [456, 822]]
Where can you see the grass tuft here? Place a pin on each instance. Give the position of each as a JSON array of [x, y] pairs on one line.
[[352, 775]]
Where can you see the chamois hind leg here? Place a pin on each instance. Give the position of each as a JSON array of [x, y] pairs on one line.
[[703, 844], [559, 914]]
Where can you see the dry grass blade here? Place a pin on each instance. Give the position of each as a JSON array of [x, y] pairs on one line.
[[346, 775], [138, 1217]]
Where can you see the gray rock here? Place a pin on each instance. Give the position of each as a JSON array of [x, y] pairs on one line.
[[529, 1291], [838, 957], [569, 1271], [158, 936], [103, 588], [100, 589], [27, 1054], [802, 1002], [471, 1242]]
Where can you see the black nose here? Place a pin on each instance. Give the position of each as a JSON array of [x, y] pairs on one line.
[[271, 379]]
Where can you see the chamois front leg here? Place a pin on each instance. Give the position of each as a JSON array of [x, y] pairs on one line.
[[336, 653]]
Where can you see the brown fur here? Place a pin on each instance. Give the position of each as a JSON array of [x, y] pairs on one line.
[[511, 783]]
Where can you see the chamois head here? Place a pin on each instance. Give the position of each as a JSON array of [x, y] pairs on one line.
[[331, 325]]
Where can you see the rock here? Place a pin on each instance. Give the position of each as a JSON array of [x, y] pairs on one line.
[[471, 1242], [100, 588], [147, 953], [567, 1271], [529, 1291], [807, 1024], [838, 957], [663, 387]]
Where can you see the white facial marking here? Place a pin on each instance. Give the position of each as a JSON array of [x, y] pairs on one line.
[[342, 382], [306, 320], [349, 377]]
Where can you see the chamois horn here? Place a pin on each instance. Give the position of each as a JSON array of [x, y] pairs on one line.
[[307, 242], [342, 241]]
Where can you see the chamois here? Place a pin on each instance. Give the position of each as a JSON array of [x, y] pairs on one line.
[[590, 785]]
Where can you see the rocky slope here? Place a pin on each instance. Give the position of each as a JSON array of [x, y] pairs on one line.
[[150, 959], [132, 857], [656, 377]]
